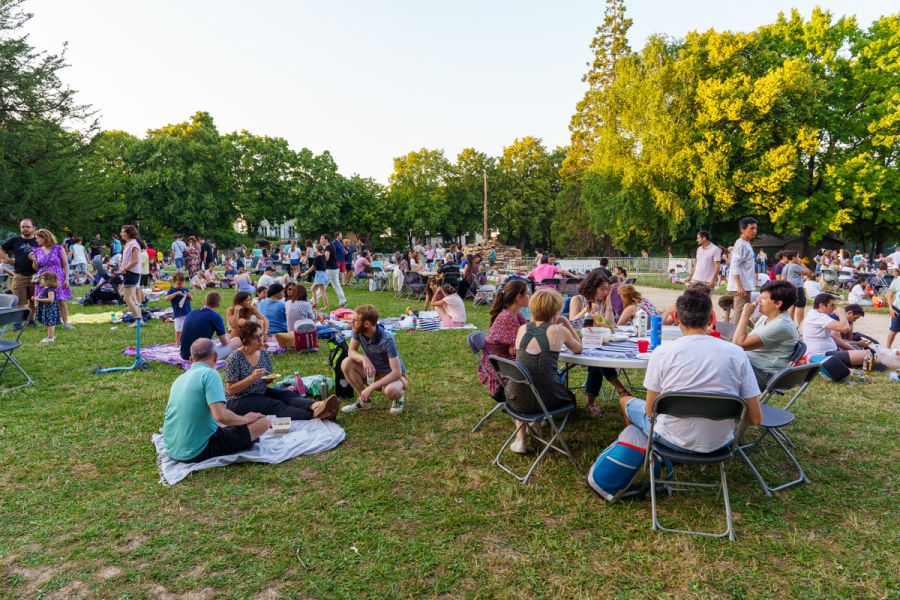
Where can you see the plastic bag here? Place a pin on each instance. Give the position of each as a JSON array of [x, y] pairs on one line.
[[887, 357]]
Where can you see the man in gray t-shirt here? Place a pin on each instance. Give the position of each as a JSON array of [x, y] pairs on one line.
[[770, 345], [793, 272], [379, 368]]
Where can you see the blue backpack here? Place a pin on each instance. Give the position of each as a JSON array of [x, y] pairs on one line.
[[618, 466]]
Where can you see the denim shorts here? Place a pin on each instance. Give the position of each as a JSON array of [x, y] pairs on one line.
[[637, 415], [321, 278], [179, 262]]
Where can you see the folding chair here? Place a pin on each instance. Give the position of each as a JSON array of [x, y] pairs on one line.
[[699, 405], [554, 281], [476, 345], [484, 288], [402, 288], [630, 280], [798, 353], [569, 287], [4, 282], [7, 347], [378, 274], [517, 373], [726, 329], [774, 418], [413, 284], [360, 283], [7, 302]]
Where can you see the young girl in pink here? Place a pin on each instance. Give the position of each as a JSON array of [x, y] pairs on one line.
[[450, 308]]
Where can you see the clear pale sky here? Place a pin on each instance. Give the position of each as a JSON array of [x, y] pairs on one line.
[[368, 81]]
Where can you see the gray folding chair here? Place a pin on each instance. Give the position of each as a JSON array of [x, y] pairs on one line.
[[798, 353], [476, 345], [551, 281], [726, 329], [774, 418], [630, 280], [486, 289], [378, 274], [7, 302], [4, 281], [569, 287], [516, 372], [7, 347], [698, 405]]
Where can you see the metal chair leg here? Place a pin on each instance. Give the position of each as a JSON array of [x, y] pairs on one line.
[[485, 417]]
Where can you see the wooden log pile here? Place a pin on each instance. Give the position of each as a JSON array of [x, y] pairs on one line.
[[505, 254]]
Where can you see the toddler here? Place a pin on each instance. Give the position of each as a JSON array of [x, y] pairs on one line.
[[181, 303], [47, 305]]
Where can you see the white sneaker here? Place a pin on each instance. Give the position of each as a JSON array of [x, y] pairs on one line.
[[357, 406], [45, 340], [519, 447], [397, 406], [68, 325]]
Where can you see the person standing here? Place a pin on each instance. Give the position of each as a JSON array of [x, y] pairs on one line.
[[115, 247], [706, 267], [761, 258], [178, 248], [240, 256], [96, 247], [742, 271], [49, 256], [79, 261], [207, 256], [21, 247], [332, 271], [340, 255], [130, 267], [893, 260], [794, 272], [192, 260]]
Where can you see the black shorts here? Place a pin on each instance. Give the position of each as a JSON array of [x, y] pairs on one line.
[[130, 279], [841, 355], [801, 298], [145, 279], [226, 440]]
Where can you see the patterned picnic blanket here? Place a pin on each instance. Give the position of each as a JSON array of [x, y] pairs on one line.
[[171, 353], [613, 350]]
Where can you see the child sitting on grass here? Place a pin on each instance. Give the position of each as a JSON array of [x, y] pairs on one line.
[[262, 292], [450, 308], [47, 306], [199, 281], [673, 278], [181, 303]]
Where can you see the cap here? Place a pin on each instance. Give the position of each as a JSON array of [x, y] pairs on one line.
[[275, 288]]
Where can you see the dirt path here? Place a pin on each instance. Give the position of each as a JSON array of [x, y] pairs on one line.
[[873, 325]]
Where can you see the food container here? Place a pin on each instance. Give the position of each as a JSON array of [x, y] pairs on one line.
[[281, 425]]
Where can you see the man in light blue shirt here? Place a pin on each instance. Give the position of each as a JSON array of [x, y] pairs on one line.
[[191, 430], [272, 308], [178, 248]]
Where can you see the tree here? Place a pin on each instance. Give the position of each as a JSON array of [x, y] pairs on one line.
[[320, 192], [182, 177], [465, 192], [528, 179], [38, 153], [418, 193], [367, 210]]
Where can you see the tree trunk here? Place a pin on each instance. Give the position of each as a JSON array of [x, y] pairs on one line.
[[522, 242]]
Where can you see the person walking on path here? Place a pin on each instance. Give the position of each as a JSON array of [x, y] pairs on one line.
[[21, 247], [706, 267], [50, 256], [742, 270], [332, 270]]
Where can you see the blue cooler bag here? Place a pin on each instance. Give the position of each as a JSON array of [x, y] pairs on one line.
[[619, 465]]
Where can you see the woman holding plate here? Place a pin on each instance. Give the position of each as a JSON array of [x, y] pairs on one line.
[[248, 371]]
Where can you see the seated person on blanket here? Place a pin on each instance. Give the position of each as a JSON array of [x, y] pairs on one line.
[[272, 308], [196, 407], [821, 332], [380, 368], [242, 311], [537, 348], [247, 391], [593, 297], [433, 292], [203, 323], [770, 345], [696, 362], [450, 308], [227, 279]]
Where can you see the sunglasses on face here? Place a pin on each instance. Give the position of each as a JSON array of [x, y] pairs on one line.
[[257, 337]]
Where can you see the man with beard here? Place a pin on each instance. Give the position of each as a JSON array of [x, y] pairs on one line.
[[380, 368]]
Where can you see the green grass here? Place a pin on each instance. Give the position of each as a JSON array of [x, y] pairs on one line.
[[416, 495]]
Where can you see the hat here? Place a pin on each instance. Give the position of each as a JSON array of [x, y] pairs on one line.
[[270, 268], [275, 288]]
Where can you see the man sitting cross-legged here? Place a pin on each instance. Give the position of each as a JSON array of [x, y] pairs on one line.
[[380, 368], [196, 407], [770, 345], [696, 362]]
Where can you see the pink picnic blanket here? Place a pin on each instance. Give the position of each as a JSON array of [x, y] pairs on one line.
[[171, 353]]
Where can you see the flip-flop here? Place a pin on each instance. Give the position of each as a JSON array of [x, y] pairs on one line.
[[594, 410], [328, 405]]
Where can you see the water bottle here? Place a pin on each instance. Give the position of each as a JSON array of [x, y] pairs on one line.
[[655, 331], [894, 376], [112, 317], [301, 389]]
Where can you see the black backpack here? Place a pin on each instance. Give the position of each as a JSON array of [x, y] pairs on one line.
[[337, 353]]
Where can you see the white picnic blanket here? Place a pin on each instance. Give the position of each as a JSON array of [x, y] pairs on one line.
[[305, 437]]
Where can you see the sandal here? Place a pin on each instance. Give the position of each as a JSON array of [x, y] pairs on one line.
[[594, 410], [329, 405]]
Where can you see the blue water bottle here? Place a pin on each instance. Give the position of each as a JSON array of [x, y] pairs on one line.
[[655, 331]]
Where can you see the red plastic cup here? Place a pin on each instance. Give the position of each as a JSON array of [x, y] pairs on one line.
[[643, 346], [715, 334]]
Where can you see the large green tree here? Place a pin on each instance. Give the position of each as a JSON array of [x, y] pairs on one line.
[[465, 192], [418, 193]]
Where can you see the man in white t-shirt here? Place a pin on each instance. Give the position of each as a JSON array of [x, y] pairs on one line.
[[267, 280], [79, 262], [742, 271], [696, 362], [770, 345], [894, 261], [821, 333], [706, 267]]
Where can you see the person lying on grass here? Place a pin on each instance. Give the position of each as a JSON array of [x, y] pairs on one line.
[[196, 408], [380, 368]]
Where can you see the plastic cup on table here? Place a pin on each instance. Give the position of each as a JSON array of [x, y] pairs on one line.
[[643, 346]]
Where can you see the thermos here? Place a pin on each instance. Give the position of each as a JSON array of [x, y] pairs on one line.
[[642, 323], [655, 331]]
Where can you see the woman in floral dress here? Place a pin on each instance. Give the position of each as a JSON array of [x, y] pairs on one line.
[[49, 256], [501, 338], [192, 257]]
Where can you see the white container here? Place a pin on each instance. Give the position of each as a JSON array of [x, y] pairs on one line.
[[641, 323]]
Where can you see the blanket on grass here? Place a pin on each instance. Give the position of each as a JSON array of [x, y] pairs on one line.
[[86, 318], [171, 353], [305, 437]]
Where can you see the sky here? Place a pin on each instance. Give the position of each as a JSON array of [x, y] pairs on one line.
[[367, 81]]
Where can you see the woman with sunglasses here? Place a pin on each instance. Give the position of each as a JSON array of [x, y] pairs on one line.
[[246, 383]]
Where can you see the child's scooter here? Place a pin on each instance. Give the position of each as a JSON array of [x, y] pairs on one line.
[[139, 363]]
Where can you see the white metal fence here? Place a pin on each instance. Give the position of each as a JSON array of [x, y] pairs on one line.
[[643, 269]]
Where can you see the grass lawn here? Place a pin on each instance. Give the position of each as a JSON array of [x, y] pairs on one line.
[[416, 495]]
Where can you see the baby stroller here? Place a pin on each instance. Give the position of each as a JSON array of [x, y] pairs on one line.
[[107, 288]]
